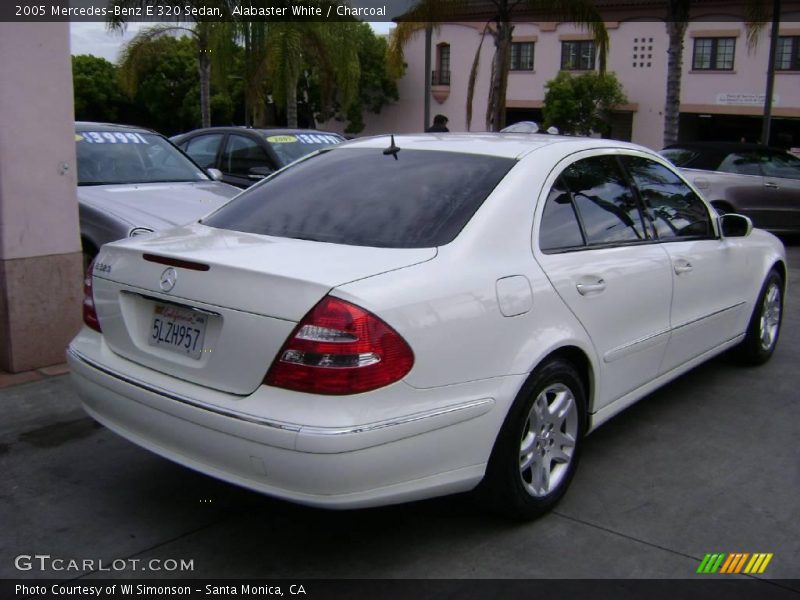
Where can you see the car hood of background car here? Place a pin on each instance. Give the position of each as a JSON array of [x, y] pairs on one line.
[[157, 205]]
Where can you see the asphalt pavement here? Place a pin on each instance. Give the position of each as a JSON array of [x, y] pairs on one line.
[[708, 464]]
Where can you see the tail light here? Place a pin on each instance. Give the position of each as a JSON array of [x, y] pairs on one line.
[[89, 313], [339, 348]]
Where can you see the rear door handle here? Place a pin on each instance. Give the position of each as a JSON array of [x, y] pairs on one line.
[[683, 267], [589, 288], [772, 186]]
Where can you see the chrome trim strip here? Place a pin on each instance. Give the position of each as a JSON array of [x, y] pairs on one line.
[[635, 346], [642, 343], [399, 421], [325, 431], [708, 316], [183, 399], [172, 302]]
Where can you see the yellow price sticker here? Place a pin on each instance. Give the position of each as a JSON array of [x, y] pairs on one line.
[[281, 139], [78, 138]]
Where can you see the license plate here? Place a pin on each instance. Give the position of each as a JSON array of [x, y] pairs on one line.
[[180, 330]]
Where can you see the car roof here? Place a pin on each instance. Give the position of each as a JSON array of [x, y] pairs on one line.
[[724, 147], [507, 145], [96, 126], [261, 130]]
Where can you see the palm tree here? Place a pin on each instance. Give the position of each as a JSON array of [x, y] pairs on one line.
[[211, 38], [279, 52], [677, 20], [499, 26]]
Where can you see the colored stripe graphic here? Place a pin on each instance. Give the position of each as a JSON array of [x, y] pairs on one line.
[[735, 562], [720, 562], [758, 563], [711, 563]]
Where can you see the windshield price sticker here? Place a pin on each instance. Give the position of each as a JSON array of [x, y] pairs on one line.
[[110, 137], [312, 138]]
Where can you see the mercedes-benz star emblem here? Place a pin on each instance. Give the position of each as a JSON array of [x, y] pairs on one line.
[[168, 279]]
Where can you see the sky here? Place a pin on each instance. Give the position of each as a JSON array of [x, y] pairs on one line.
[[93, 38]]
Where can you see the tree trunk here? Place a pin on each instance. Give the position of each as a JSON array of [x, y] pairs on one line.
[[766, 123], [496, 111], [291, 104], [676, 30], [204, 68]]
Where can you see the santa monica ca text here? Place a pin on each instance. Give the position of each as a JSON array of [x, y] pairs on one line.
[[140, 589]]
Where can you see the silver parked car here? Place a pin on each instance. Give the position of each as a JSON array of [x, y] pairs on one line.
[[133, 181], [760, 182]]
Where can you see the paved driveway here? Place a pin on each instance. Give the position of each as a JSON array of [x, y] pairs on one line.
[[711, 463]]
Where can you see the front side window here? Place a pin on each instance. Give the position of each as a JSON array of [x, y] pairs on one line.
[[787, 54], [743, 163], [607, 206], [782, 165], [673, 208], [560, 228], [363, 197], [242, 154], [713, 54], [577, 56], [522, 56]]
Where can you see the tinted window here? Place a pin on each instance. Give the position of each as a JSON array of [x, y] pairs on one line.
[[106, 157], [362, 197], [782, 165], [203, 149], [674, 208], [680, 157], [744, 163], [560, 228], [242, 154], [607, 206]]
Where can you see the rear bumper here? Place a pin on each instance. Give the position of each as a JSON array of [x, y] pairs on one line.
[[433, 451]]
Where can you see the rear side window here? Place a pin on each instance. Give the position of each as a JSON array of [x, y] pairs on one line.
[[560, 228], [680, 157], [606, 204], [363, 197], [203, 149], [675, 210]]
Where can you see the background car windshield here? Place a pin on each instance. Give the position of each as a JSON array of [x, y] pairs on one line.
[[363, 197], [106, 157], [289, 147]]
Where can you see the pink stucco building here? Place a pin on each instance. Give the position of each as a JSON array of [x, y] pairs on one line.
[[723, 79]]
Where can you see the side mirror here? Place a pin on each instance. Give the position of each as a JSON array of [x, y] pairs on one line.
[[733, 225], [257, 173], [215, 174]]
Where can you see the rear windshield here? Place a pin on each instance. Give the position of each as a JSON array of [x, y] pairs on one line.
[[363, 197]]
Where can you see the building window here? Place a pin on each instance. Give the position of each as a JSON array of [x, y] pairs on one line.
[[577, 56], [441, 76], [787, 54], [522, 56], [713, 54]]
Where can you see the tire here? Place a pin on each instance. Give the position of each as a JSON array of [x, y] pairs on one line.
[[765, 323], [537, 450]]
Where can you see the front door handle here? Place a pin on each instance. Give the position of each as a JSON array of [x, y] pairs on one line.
[[589, 288], [683, 267], [772, 186]]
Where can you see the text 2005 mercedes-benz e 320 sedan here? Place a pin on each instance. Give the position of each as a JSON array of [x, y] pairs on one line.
[[411, 316]]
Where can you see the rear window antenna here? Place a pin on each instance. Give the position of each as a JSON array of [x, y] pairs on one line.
[[393, 149]]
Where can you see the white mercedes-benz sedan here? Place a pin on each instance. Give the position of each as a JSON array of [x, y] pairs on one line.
[[404, 317]]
